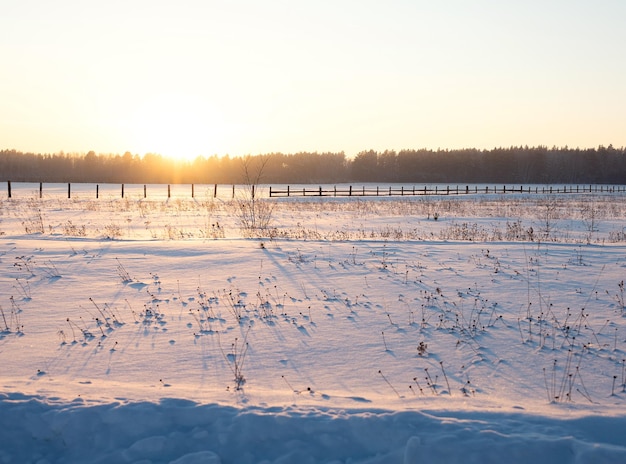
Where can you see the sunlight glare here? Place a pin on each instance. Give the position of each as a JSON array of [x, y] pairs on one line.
[[177, 126]]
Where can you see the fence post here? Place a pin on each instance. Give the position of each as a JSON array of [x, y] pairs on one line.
[[40, 189], [144, 190], [69, 190], [97, 191], [192, 191], [9, 188], [215, 191], [320, 190], [287, 190], [233, 190], [350, 191], [122, 190], [169, 192], [253, 191]]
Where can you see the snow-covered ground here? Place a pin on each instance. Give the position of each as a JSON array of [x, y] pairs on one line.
[[352, 330]]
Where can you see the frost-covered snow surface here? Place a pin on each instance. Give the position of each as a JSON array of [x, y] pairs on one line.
[[354, 330]]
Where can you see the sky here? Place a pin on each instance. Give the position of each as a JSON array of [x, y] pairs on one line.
[[205, 77]]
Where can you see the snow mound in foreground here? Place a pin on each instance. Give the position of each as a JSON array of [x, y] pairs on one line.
[[183, 432]]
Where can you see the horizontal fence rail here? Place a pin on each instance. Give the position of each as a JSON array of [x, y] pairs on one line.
[[351, 191]]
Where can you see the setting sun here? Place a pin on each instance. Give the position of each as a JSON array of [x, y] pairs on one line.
[[177, 126]]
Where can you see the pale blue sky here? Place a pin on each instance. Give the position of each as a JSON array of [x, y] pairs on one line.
[[187, 78]]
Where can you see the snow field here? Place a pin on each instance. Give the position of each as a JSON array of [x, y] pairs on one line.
[[283, 348]]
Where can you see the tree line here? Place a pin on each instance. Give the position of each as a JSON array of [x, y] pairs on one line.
[[513, 165]]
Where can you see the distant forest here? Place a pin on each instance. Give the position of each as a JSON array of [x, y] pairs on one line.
[[514, 165]]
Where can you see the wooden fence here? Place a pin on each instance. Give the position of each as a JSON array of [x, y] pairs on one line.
[[361, 191], [364, 191]]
